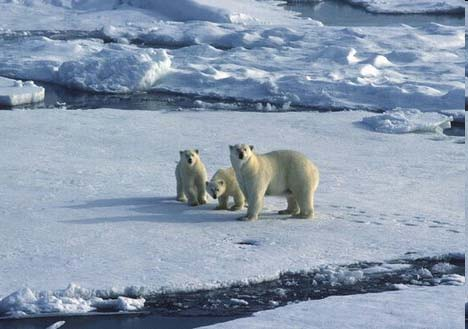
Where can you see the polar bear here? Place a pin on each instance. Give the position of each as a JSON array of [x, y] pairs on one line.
[[191, 177], [283, 172], [224, 185]]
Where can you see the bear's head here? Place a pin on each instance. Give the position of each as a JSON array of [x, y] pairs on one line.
[[240, 153], [189, 157], [216, 188]]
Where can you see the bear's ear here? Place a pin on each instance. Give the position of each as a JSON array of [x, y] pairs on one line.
[[181, 152], [231, 147], [196, 151], [251, 147]]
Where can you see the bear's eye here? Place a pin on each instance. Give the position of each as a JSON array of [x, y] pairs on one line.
[[217, 190]]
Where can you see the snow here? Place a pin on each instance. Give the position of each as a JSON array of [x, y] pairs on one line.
[[93, 190], [314, 66], [412, 7], [424, 308], [15, 92], [400, 121], [73, 299]]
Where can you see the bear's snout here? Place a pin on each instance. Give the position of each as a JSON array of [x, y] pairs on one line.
[[214, 196], [241, 155], [190, 161]]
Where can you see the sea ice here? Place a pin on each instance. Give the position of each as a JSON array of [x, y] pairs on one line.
[[16, 92], [400, 121]]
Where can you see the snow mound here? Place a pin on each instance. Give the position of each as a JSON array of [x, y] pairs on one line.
[[399, 121], [73, 299], [15, 92], [116, 70]]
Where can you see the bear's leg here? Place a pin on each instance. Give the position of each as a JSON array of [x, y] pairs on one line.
[[222, 203], [306, 204], [293, 207], [201, 192], [239, 201], [255, 205], [180, 188], [192, 197]]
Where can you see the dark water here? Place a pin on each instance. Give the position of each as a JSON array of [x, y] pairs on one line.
[[203, 307], [114, 321], [341, 13]]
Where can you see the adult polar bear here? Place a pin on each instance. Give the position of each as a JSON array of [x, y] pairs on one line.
[[283, 172]]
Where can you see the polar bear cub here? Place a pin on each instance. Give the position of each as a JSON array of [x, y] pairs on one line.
[[191, 177], [224, 185], [284, 172]]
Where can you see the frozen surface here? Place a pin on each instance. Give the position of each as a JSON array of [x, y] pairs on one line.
[[413, 6], [326, 67], [415, 308], [16, 92], [400, 121], [93, 193]]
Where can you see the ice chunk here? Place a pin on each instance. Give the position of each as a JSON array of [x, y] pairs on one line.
[[22, 300], [15, 92], [56, 325], [398, 121], [73, 299], [117, 69]]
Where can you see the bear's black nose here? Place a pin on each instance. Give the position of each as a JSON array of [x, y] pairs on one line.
[[241, 156], [214, 196], [190, 161]]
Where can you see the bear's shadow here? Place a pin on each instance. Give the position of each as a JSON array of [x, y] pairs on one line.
[[157, 210]]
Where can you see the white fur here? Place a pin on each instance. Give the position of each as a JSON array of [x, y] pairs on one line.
[[191, 178], [284, 172], [224, 185]]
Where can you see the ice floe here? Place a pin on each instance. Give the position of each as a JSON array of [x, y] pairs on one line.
[[400, 121], [422, 308], [16, 92], [102, 181], [319, 67]]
